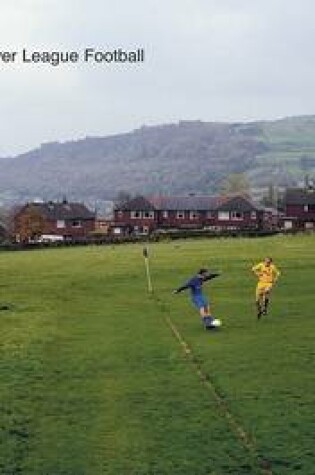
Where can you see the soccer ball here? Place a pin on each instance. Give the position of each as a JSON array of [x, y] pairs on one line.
[[216, 323]]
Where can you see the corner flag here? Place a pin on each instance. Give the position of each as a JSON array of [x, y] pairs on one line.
[[147, 268]]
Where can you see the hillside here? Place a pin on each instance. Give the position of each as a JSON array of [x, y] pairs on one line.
[[190, 156]]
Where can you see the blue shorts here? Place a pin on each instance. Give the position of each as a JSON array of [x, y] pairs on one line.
[[199, 301]]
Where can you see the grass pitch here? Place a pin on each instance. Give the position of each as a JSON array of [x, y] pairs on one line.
[[98, 377]]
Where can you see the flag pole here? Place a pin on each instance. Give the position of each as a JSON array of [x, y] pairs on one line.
[[147, 268]]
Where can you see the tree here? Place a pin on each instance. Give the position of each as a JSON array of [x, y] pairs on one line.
[[29, 224], [6, 222], [122, 197], [274, 198], [236, 183], [270, 199]]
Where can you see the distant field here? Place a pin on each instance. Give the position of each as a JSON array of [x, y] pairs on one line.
[[98, 377]]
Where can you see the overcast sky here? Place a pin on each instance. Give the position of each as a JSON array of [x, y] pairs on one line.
[[210, 60]]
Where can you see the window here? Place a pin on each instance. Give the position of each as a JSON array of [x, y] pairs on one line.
[[210, 214], [180, 214], [61, 223], [165, 214], [193, 215], [306, 208], [309, 225], [253, 215], [223, 215], [288, 224], [135, 214], [236, 215], [77, 224], [148, 214]]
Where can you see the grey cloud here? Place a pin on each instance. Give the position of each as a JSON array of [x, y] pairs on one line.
[[205, 59]]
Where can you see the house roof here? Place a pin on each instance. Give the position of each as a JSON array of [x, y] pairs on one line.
[[63, 211], [182, 203], [239, 203], [299, 196], [190, 203], [137, 203]]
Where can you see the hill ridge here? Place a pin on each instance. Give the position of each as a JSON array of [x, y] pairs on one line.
[[188, 156]]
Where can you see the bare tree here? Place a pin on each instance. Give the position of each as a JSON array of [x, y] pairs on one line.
[[29, 224], [122, 197], [236, 183]]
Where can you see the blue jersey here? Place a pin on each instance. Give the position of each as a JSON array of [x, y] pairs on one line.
[[195, 285]]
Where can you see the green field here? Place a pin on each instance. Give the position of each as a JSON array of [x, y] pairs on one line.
[[98, 377]]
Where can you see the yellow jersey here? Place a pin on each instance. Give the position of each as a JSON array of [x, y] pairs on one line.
[[266, 274]]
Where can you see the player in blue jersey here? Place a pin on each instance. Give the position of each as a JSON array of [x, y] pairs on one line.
[[198, 299]]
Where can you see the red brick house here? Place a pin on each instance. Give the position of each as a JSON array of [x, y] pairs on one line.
[[144, 214], [299, 209], [53, 221]]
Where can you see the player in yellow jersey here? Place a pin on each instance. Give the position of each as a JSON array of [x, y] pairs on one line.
[[268, 275]]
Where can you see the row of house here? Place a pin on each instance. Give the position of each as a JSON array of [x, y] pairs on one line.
[[53, 221], [147, 214]]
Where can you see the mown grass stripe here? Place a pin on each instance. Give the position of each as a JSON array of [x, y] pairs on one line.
[[244, 438]]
